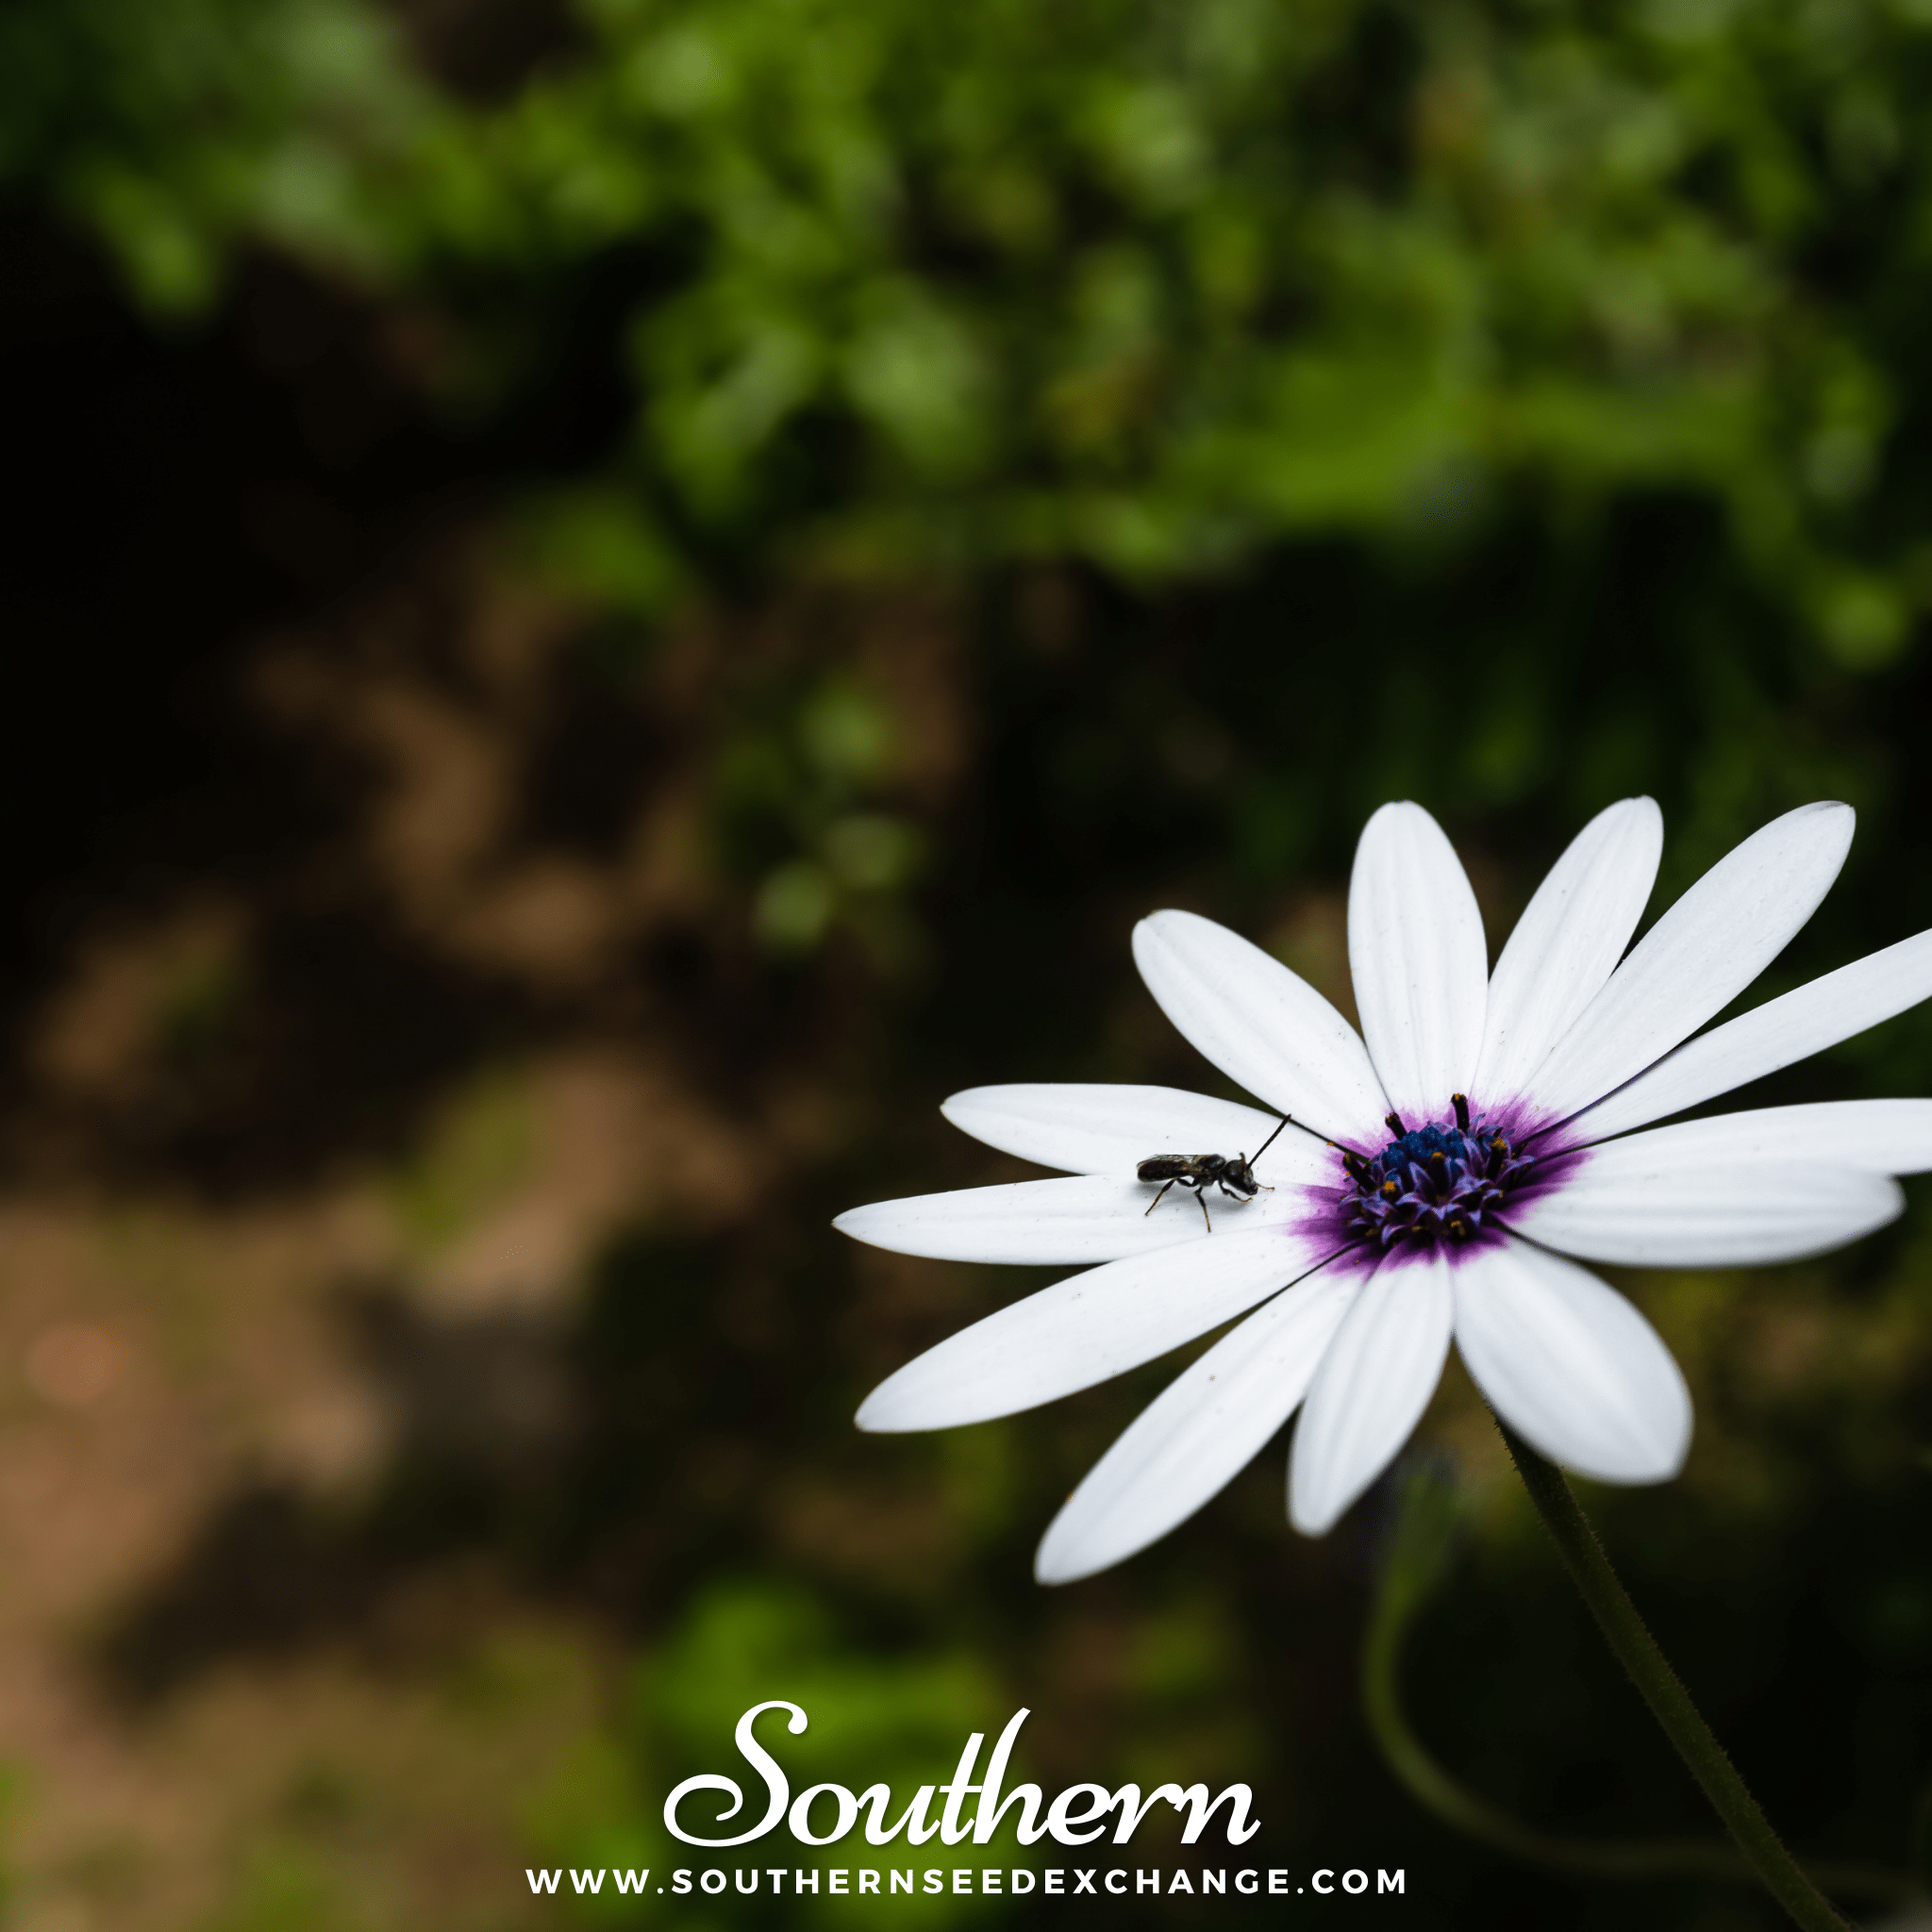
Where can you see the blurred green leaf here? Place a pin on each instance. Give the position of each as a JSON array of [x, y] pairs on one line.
[[1150, 284]]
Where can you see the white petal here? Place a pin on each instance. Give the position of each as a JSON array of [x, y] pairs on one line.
[[1420, 965], [1711, 944], [1567, 943], [1569, 1365], [1110, 1130], [1874, 1135], [1370, 1389], [1628, 1203], [1198, 1433], [1778, 1034], [1090, 1218], [1262, 1025], [1085, 1330]]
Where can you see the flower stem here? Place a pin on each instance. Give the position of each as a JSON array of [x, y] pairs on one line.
[[1414, 1558], [1662, 1689]]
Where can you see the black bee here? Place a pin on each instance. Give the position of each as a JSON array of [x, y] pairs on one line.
[[1200, 1172]]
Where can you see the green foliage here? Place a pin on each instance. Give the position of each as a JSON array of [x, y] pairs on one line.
[[176, 128], [797, 780], [1145, 283], [1155, 285]]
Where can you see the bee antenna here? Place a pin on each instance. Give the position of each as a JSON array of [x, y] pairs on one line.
[[1285, 1119]]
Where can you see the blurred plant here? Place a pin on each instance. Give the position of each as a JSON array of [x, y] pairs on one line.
[[176, 129], [1155, 285], [796, 787], [1147, 284]]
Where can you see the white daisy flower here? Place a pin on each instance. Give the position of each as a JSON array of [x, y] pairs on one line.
[[1439, 1171]]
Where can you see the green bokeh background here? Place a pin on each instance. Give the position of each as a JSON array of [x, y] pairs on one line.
[[1103, 450]]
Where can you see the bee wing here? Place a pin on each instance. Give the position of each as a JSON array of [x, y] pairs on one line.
[[1163, 1166]]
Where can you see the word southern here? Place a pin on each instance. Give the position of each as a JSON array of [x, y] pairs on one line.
[[1077, 1816]]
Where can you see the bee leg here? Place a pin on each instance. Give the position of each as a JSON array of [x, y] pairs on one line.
[[1155, 1201], [1201, 1197]]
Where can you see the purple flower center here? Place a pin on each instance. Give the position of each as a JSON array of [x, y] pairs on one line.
[[1435, 1184]]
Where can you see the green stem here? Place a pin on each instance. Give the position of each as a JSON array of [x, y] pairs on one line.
[[1410, 1571], [1661, 1689]]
